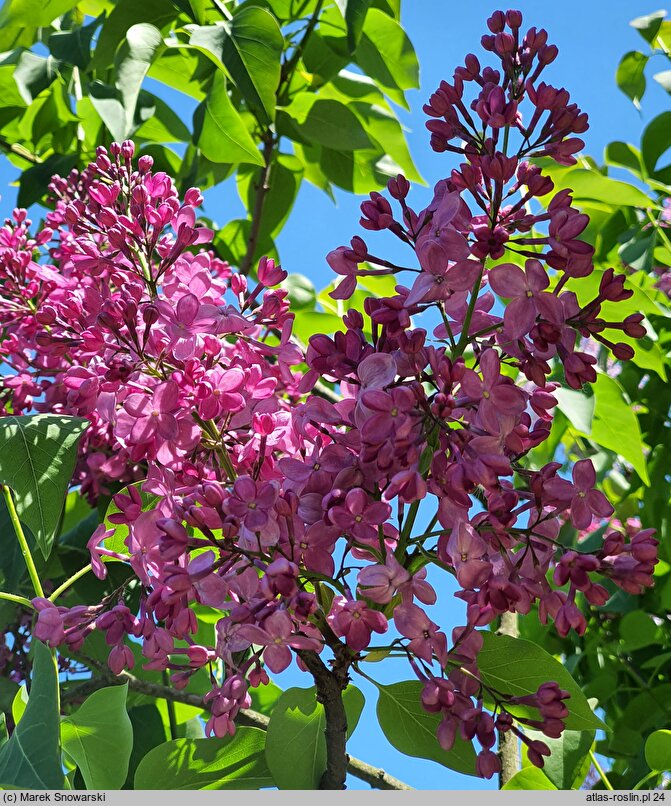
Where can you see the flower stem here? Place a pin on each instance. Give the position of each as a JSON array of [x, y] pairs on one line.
[[599, 769], [10, 597], [172, 717], [463, 338], [70, 581], [23, 543]]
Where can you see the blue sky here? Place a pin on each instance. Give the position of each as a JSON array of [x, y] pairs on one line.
[[592, 36]]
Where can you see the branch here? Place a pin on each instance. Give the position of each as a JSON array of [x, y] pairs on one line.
[[508, 747], [373, 776], [21, 151], [262, 189], [330, 687], [289, 66]]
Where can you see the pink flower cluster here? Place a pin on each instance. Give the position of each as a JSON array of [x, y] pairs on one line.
[[251, 489]]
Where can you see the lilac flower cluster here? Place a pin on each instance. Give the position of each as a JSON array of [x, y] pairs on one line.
[[250, 488]]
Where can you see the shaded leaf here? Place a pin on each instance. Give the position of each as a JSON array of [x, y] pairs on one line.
[[74, 46], [656, 140], [33, 74], [295, 743], [126, 14], [529, 778], [98, 736], [158, 122], [30, 759], [37, 457], [567, 756], [108, 103], [354, 13], [236, 762]]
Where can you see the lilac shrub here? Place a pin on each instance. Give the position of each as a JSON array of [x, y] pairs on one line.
[[282, 488]]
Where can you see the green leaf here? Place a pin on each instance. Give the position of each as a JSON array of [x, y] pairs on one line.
[[12, 565], [517, 667], [148, 732], [383, 127], [37, 457], [301, 292], [220, 132], [358, 171], [311, 156], [648, 25], [638, 630], [265, 697], [412, 730], [283, 183], [567, 755], [159, 124], [135, 56], [184, 71], [615, 425], [231, 242], [99, 738], [624, 155], [656, 140], [33, 74], [33, 13], [578, 407], [236, 762], [8, 691], [586, 184], [658, 750], [31, 757], [126, 14], [108, 103], [250, 48], [529, 778], [309, 323], [386, 54], [74, 46], [327, 122], [19, 704], [295, 742], [321, 61], [354, 13], [630, 75]]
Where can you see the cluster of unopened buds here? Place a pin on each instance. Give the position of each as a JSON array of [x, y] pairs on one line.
[[287, 498]]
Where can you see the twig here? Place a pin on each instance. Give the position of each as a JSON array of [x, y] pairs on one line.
[[262, 189], [21, 151], [330, 687], [373, 776], [508, 750]]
